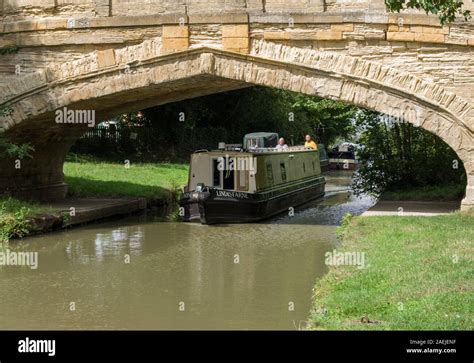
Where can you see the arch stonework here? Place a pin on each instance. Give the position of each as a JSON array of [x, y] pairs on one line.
[[143, 75]]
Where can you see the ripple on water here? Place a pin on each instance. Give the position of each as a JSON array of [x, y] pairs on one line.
[[228, 276]]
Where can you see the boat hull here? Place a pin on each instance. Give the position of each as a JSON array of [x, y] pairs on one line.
[[215, 206], [325, 166]]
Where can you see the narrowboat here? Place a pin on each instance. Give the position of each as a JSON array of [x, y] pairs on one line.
[[250, 182], [343, 157]]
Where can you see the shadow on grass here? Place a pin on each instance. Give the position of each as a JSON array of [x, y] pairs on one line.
[[448, 192], [84, 187]]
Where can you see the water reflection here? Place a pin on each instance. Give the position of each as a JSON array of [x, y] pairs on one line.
[[180, 276]]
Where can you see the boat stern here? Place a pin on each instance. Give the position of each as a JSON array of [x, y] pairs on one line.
[[192, 206]]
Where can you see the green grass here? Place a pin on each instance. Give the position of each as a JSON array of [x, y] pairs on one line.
[[14, 215], [88, 177], [12, 205], [411, 280], [450, 192]]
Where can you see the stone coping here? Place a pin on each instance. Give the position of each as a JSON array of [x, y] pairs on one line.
[[55, 23]]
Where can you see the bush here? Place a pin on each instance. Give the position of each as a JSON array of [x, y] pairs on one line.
[[13, 225]]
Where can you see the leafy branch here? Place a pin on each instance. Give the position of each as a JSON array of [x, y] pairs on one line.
[[447, 10], [5, 111], [9, 50], [9, 149]]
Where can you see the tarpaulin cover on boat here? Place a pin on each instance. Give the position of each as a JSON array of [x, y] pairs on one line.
[[260, 139]]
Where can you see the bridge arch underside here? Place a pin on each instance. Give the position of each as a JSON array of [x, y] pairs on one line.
[[204, 71]]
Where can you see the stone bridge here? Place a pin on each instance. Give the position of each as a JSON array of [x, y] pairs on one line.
[[115, 56]]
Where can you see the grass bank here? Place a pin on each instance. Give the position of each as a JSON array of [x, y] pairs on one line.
[[19, 218], [418, 275], [90, 177], [450, 192]]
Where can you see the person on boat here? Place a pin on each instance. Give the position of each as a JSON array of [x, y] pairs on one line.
[[310, 144], [281, 145]]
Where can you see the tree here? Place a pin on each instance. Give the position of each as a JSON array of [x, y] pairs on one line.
[[328, 120], [396, 155], [229, 116], [447, 10]]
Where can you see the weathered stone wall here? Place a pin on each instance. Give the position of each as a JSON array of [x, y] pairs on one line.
[[24, 9], [119, 55], [414, 43]]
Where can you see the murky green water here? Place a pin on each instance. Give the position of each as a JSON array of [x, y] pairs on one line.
[[179, 276]]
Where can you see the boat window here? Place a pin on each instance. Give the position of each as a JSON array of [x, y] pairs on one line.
[[304, 168], [252, 143], [242, 180], [216, 174], [269, 174], [229, 182], [283, 171]]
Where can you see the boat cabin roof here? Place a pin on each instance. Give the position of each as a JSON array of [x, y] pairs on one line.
[[255, 151]]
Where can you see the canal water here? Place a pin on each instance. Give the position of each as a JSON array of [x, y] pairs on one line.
[[143, 273]]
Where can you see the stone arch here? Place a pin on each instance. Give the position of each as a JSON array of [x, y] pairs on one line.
[[142, 76]]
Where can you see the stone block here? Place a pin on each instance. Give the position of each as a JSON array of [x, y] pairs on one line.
[[342, 27], [276, 35], [235, 43], [16, 5], [175, 38], [328, 35], [454, 40], [396, 28], [175, 44], [235, 31], [198, 6], [401, 36], [429, 38], [414, 19], [105, 58], [239, 50], [224, 18], [254, 5], [53, 24], [294, 5], [429, 29], [175, 31]]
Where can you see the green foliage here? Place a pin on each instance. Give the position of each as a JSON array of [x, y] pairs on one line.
[[10, 149], [13, 150], [174, 215], [329, 119], [13, 220], [5, 111], [399, 156], [16, 217], [175, 130], [9, 50], [447, 10], [345, 222]]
